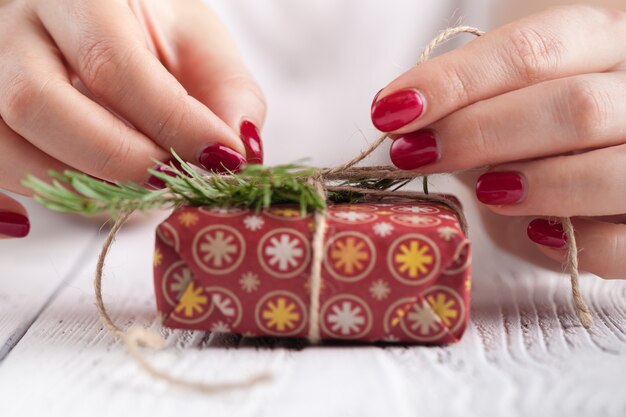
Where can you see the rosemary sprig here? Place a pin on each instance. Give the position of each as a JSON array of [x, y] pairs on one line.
[[255, 187]]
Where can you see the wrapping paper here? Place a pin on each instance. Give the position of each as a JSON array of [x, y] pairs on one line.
[[394, 271]]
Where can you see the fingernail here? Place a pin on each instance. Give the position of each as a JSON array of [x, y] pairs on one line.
[[547, 233], [165, 168], [218, 158], [396, 110], [502, 187], [13, 224], [414, 150], [252, 141]]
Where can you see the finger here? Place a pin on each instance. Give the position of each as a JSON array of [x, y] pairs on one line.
[[601, 245], [41, 105], [587, 184], [14, 221], [20, 158], [105, 46], [556, 43], [558, 116], [211, 69]]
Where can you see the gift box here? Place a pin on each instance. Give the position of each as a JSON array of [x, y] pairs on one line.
[[395, 271]]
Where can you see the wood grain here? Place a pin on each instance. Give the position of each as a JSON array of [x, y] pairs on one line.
[[524, 354]]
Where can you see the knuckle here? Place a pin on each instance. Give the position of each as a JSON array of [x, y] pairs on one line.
[[243, 82], [172, 122], [616, 247], [111, 161], [535, 55], [98, 62], [460, 83], [588, 109], [22, 97]]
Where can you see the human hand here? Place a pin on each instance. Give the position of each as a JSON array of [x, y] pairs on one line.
[[540, 101], [107, 87]]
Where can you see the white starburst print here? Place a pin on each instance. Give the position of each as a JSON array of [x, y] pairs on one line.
[[380, 289], [253, 222], [422, 318], [447, 232], [416, 209], [284, 251], [391, 338], [218, 249], [181, 282], [220, 327], [352, 216], [420, 220], [249, 282], [383, 229], [223, 304], [346, 319], [447, 217]]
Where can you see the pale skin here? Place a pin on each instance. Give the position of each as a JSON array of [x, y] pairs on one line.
[[542, 96]]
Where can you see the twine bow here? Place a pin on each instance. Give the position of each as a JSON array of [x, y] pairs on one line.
[[322, 180]]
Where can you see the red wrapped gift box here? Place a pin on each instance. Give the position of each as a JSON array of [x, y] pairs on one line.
[[391, 272]]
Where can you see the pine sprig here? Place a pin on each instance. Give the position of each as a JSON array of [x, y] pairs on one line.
[[255, 187]]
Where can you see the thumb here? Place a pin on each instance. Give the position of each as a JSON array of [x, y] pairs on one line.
[[13, 218]]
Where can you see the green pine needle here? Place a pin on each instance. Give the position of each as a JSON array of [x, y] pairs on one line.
[[255, 187]]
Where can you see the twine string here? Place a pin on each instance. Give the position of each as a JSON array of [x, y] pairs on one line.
[[322, 180]]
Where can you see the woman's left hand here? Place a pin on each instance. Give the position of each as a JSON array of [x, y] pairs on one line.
[[542, 101]]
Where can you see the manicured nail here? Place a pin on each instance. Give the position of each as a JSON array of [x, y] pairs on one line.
[[396, 110], [414, 150], [547, 233], [252, 141], [502, 187], [218, 158], [13, 224], [158, 183]]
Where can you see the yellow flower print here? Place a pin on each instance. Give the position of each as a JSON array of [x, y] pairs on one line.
[[192, 301], [414, 258], [281, 315], [443, 307], [349, 255], [188, 219], [157, 258], [286, 212]]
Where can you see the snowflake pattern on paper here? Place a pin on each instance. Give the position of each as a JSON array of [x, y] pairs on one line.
[[353, 216], [415, 209], [383, 229], [181, 281], [218, 249], [380, 289], [422, 319], [448, 217], [447, 232], [284, 252], [188, 219], [253, 222], [249, 282], [347, 318], [220, 327]]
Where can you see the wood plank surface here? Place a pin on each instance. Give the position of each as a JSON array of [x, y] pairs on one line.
[[524, 354]]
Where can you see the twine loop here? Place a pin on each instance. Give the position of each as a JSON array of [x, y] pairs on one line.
[[322, 179]]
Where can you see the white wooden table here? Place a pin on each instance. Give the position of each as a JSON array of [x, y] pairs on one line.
[[523, 354]]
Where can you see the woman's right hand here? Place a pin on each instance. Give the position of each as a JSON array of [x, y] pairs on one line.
[[107, 87]]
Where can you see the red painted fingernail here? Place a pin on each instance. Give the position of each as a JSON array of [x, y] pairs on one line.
[[252, 141], [502, 187], [414, 150], [547, 233], [158, 183], [396, 110], [218, 158], [13, 224]]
